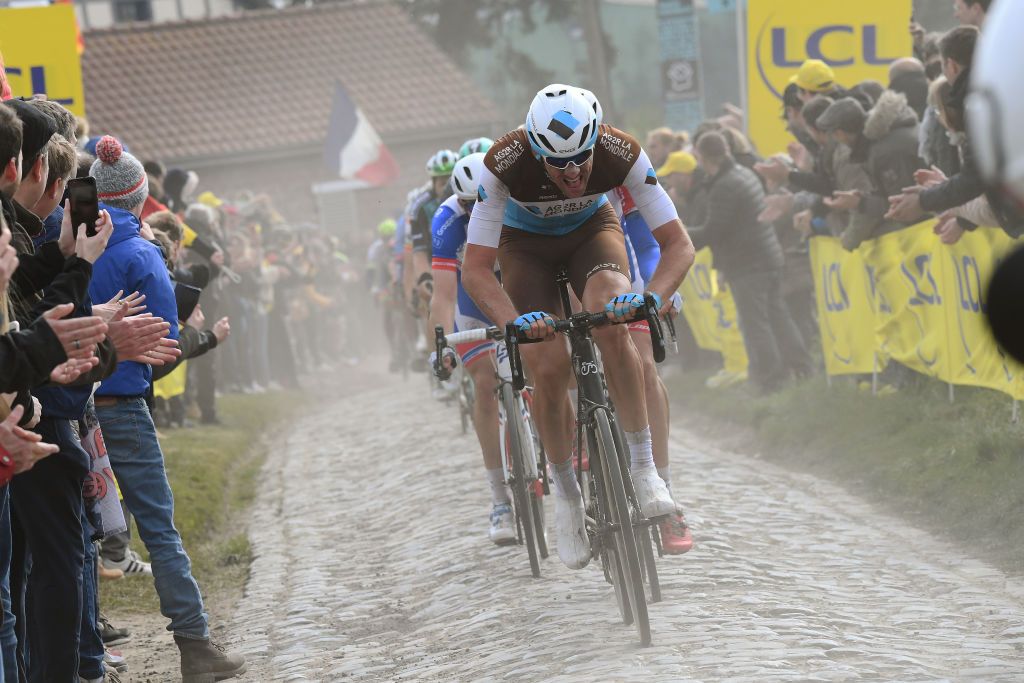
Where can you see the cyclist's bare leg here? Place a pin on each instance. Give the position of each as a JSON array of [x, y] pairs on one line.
[[485, 410], [656, 395], [625, 373], [622, 365], [548, 367]]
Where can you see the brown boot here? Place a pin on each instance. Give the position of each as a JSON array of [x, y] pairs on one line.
[[203, 661], [109, 574]]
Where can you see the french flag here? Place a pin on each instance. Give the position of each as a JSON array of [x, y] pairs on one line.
[[353, 149]]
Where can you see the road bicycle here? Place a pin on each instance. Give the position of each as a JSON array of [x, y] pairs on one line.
[[618, 531], [522, 456]]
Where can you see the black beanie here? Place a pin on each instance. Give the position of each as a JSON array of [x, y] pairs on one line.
[[37, 128]]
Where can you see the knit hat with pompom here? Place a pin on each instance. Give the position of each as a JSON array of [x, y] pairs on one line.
[[120, 179]]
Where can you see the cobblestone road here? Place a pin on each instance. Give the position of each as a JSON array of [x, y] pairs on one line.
[[373, 564]]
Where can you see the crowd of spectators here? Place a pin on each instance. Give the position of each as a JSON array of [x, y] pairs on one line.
[[865, 159], [109, 332]]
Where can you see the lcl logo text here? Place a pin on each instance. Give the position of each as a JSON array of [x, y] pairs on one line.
[[816, 47]]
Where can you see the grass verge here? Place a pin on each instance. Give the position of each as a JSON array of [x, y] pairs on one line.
[[214, 473], [954, 468]]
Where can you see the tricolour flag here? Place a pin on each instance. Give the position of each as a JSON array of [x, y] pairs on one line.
[[354, 150]]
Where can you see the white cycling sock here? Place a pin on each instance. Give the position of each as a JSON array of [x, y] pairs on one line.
[[664, 474], [499, 494], [564, 475], [641, 453]]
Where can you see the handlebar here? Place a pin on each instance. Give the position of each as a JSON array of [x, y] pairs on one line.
[[441, 340], [583, 322]]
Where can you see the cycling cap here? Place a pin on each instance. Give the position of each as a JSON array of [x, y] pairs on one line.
[[562, 122], [996, 103], [466, 176], [474, 145], [442, 163]]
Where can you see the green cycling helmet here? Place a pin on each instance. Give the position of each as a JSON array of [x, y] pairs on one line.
[[442, 163], [386, 228], [474, 145]]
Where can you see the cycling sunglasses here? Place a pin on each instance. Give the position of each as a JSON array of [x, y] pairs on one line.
[[564, 163], [467, 204]]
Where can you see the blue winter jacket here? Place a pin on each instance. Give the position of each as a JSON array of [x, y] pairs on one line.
[[132, 264]]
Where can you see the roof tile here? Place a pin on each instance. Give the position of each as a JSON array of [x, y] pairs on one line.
[[265, 80]]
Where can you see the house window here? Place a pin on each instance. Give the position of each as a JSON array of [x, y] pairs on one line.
[[132, 10]]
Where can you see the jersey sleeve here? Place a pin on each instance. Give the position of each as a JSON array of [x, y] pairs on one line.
[[447, 235], [489, 211], [650, 197], [647, 250]]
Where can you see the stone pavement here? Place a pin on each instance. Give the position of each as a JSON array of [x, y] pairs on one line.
[[372, 564]]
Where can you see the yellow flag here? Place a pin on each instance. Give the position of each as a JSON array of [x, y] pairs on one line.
[[172, 384]]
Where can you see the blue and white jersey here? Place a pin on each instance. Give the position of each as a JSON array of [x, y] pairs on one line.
[[448, 237]]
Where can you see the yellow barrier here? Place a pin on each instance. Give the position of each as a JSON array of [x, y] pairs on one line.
[[711, 313], [908, 297]]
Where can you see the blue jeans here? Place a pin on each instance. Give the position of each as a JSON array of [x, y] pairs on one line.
[[90, 645], [138, 464], [47, 502]]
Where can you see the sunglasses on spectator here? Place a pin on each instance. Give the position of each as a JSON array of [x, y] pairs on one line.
[[563, 163]]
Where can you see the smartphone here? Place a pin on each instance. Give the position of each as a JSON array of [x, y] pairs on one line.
[[85, 206]]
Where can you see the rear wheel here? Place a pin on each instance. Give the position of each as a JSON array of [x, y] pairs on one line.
[[625, 543], [520, 486]]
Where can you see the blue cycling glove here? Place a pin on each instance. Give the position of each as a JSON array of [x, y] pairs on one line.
[[657, 300], [526, 320], [625, 305]]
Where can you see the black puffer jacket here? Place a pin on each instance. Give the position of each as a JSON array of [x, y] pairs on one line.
[[888, 151], [740, 243]]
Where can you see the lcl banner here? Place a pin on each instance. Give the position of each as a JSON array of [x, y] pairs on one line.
[[40, 49], [858, 40]]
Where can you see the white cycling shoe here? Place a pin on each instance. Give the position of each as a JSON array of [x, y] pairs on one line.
[[503, 527], [652, 493], [571, 530]]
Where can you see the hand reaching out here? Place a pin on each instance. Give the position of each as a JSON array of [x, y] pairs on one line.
[[78, 336], [91, 248], [166, 351], [23, 448], [137, 335], [120, 307], [222, 329], [68, 371]]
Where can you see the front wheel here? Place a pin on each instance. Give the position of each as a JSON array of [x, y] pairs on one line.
[[628, 559], [515, 442]]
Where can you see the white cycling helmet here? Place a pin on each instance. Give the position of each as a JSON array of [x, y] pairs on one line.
[[466, 176], [592, 98], [995, 106], [562, 122]]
